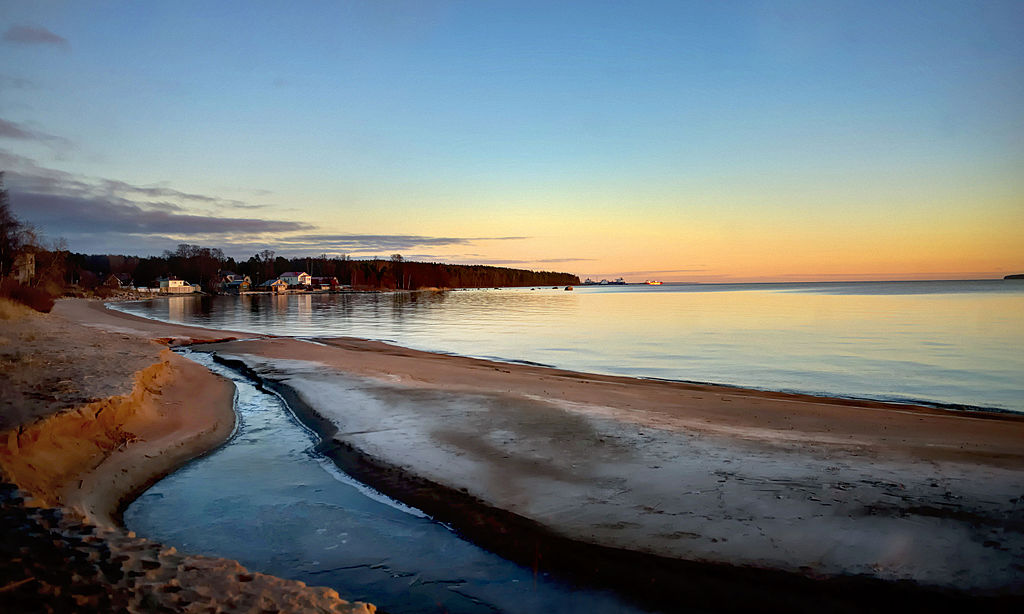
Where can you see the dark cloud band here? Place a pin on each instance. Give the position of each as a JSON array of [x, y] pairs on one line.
[[68, 214], [378, 242], [20, 132]]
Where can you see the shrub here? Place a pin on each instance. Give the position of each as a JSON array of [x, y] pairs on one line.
[[9, 310], [26, 295]]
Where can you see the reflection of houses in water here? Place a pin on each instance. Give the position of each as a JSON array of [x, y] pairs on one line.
[[177, 308], [279, 302], [304, 308]]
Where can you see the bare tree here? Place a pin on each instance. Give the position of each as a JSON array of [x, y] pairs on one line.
[[398, 269], [10, 231], [267, 258]]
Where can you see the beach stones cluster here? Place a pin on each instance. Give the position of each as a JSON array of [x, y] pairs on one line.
[[52, 561]]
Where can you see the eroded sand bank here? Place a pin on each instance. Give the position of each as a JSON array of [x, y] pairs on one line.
[[815, 486], [96, 407]]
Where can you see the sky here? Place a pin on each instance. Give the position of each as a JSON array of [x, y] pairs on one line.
[[679, 141]]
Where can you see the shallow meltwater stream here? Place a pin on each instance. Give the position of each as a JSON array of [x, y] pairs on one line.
[[269, 500]]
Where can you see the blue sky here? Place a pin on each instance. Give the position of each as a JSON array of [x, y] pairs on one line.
[[704, 140]]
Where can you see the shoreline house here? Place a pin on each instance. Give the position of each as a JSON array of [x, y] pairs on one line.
[[274, 285], [296, 278], [233, 283], [324, 283], [173, 285], [119, 281]]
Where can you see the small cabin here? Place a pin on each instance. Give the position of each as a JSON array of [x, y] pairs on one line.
[[232, 283], [296, 278], [324, 283], [119, 281], [275, 285]]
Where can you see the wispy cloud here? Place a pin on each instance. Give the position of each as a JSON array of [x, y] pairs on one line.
[[379, 243], [511, 262], [11, 130], [34, 35], [235, 204], [21, 132], [34, 177], [662, 271], [16, 83], [113, 186]]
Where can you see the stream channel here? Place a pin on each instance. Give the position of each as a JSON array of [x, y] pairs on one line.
[[267, 499]]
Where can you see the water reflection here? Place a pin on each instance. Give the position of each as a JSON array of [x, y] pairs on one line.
[[176, 308], [944, 342]]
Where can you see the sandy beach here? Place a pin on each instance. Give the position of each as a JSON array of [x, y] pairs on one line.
[[690, 490]]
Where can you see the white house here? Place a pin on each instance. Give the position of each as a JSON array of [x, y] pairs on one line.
[[173, 285], [296, 279]]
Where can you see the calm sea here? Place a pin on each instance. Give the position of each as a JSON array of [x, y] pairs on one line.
[[942, 342]]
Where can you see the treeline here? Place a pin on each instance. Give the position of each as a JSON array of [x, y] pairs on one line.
[[202, 265]]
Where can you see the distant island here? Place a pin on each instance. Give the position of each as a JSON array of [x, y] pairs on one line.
[[1017, 276]]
